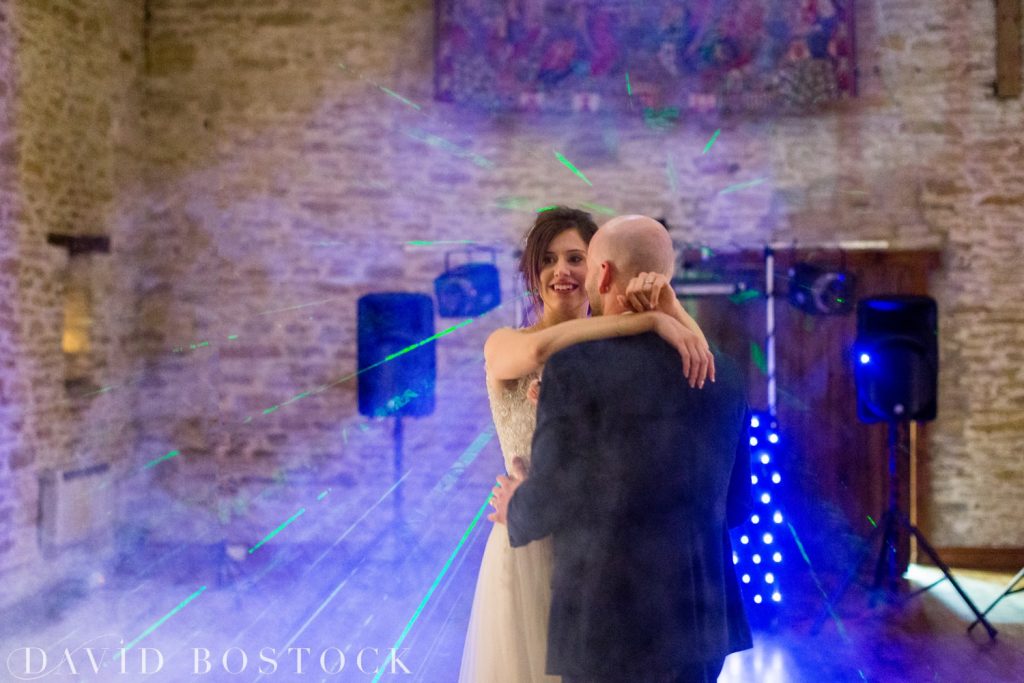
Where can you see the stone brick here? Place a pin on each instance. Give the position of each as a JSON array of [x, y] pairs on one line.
[[168, 55], [1003, 200], [21, 458]]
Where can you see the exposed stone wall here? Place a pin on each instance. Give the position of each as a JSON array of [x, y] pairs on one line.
[[9, 410], [74, 75], [285, 178], [276, 175]]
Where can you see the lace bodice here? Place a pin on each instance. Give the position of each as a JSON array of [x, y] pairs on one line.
[[515, 417]]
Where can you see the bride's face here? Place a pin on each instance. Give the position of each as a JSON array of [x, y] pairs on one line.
[[563, 272]]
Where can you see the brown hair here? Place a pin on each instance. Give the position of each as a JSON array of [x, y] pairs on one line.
[[549, 225]]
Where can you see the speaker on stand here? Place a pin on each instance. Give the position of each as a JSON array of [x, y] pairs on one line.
[[397, 370], [896, 364]]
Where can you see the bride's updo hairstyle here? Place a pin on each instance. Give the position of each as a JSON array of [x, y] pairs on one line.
[[549, 225]]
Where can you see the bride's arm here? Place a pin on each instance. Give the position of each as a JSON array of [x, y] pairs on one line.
[[653, 291], [677, 311], [511, 354]]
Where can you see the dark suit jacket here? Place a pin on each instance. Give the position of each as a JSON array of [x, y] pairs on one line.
[[637, 477]]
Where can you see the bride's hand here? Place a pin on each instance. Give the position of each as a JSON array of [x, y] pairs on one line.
[[648, 292], [697, 358]]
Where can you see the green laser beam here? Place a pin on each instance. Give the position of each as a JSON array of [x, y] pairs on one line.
[[597, 208], [276, 531], [358, 521], [799, 545], [100, 391], [424, 243], [159, 460], [418, 344], [447, 146], [568, 164], [513, 203], [437, 581], [304, 394], [391, 92], [546, 208], [821, 589], [872, 522], [744, 296], [673, 175], [322, 494], [452, 476], [757, 355], [160, 622], [629, 86], [711, 141], [232, 337], [742, 186], [292, 308]]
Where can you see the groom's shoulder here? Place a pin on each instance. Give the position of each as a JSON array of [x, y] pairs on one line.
[[602, 355]]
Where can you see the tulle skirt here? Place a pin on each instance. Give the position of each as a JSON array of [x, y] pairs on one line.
[[508, 626]]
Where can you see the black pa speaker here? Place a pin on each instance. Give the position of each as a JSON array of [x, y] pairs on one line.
[[397, 371], [896, 358], [470, 289]]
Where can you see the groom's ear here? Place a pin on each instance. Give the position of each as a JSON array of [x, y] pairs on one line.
[[604, 284]]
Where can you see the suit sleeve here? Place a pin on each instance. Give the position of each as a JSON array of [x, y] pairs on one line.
[[739, 503], [554, 490]]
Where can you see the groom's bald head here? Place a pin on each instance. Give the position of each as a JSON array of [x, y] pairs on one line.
[[622, 248], [635, 244]]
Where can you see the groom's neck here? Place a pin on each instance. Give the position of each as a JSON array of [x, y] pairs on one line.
[[612, 307]]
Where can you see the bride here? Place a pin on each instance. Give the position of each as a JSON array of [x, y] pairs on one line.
[[507, 637]]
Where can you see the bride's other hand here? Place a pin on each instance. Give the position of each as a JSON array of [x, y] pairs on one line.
[[697, 359], [648, 292]]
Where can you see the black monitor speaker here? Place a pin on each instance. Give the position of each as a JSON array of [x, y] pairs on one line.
[[896, 359]]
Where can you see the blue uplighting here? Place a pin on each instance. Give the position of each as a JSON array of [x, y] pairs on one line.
[[865, 359], [882, 304], [756, 551]]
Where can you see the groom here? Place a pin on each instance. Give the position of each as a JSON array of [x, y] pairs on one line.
[[637, 477]]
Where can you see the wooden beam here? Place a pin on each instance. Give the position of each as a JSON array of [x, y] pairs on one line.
[[1008, 48], [1008, 559]]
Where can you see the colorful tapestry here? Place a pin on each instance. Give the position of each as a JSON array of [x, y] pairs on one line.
[[662, 55]]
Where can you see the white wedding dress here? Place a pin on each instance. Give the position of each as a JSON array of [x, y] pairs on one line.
[[508, 627]]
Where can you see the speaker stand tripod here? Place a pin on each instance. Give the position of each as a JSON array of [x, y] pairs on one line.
[[1009, 590], [888, 529]]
